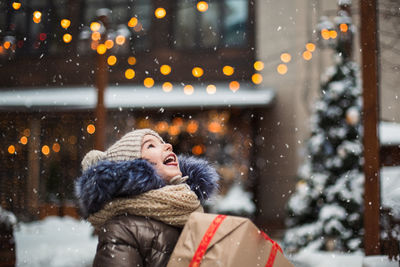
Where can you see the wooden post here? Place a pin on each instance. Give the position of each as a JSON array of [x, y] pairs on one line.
[[369, 46], [34, 153], [101, 80]]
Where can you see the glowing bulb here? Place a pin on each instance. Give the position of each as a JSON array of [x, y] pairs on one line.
[[111, 60], [23, 140], [148, 82], [11, 149], [45, 150], [160, 13], [95, 26], [282, 69], [211, 89], [188, 89], [130, 74], [332, 34], [310, 47], [131, 61], [133, 22], [228, 70], [165, 69], [96, 36], [197, 72], [7, 44], [234, 86], [91, 129], [258, 65], [16, 5], [286, 57], [325, 34], [167, 87], [307, 55], [343, 27], [101, 49], [65, 23], [109, 44], [37, 16], [56, 147], [202, 6], [67, 38], [257, 78]]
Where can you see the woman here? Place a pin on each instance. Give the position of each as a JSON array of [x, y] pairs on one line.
[[138, 196]]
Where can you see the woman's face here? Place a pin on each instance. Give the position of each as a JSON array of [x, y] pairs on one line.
[[160, 155]]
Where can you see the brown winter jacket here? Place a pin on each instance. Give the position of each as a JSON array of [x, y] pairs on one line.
[[134, 241]]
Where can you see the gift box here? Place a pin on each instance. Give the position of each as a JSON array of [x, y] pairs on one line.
[[229, 241]]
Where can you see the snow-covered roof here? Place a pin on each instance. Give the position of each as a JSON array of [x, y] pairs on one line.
[[389, 133], [134, 97]]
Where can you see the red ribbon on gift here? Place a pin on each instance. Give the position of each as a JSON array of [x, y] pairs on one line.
[[201, 249]]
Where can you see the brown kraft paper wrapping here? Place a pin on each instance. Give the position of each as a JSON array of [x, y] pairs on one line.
[[236, 243]]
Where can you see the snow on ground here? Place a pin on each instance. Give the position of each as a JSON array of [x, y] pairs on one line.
[[55, 242], [389, 133]]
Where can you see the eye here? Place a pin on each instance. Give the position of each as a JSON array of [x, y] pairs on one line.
[[150, 146]]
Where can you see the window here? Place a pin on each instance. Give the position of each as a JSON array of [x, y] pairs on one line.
[[224, 24]]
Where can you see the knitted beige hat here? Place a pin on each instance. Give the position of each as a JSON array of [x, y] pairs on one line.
[[127, 148]]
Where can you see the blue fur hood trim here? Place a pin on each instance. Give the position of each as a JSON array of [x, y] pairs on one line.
[[109, 180]]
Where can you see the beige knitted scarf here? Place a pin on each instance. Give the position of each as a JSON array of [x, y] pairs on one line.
[[171, 204]]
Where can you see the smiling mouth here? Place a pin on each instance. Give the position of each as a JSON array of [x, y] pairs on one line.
[[170, 160]]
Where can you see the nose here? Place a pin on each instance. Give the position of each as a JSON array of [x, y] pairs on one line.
[[168, 147]]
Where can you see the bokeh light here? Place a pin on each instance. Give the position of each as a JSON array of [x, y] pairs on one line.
[[258, 65], [160, 13], [228, 70], [234, 86], [132, 22], [11, 149], [120, 40], [46, 150], [96, 36], [197, 72], [65, 23], [307, 55], [286, 57], [310, 47], [148, 82], [343, 27], [162, 127], [91, 129], [95, 26], [192, 126], [257, 78], [165, 69], [131, 61], [214, 127], [37, 16], [325, 34], [211, 89], [16, 5], [282, 69], [67, 38], [109, 44], [23, 140], [332, 34], [202, 6], [101, 49], [188, 89], [130, 74], [167, 87], [56, 147], [111, 60], [198, 150]]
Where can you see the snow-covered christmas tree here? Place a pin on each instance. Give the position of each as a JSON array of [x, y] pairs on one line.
[[325, 211]]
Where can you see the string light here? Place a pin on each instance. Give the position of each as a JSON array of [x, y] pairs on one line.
[[160, 13], [307, 55], [131, 61], [258, 65], [286, 57], [310, 47], [132, 22], [56, 147], [101, 49], [65, 23], [282, 69], [202, 6], [67, 38], [234, 86], [46, 150], [257, 78], [111, 60], [197, 72], [11, 149], [211, 89], [130, 74], [165, 69], [23, 140], [148, 82], [91, 129], [16, 5], [188, 89], [228, 70], [167, 87]]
